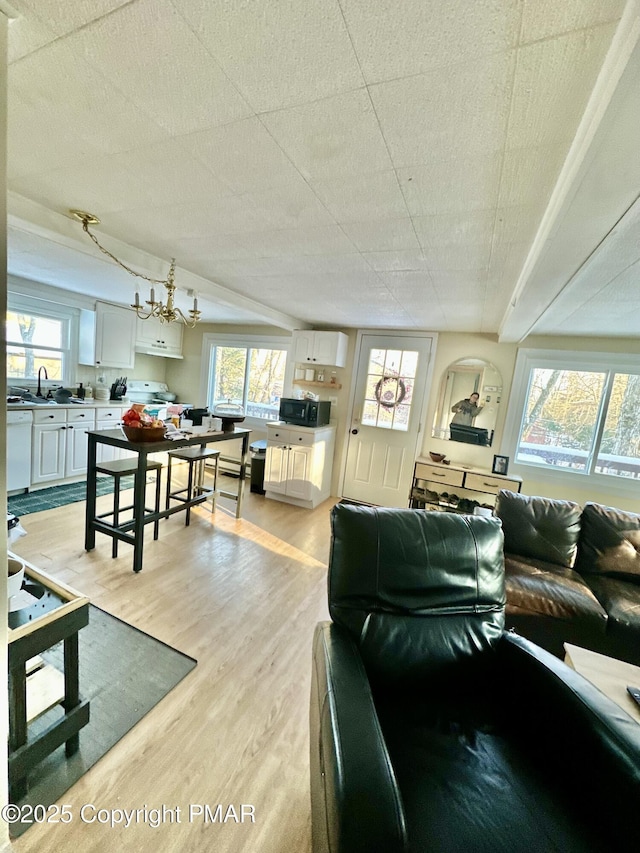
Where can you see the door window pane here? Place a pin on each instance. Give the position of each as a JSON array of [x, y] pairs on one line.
[[561, 414], [389, 388]]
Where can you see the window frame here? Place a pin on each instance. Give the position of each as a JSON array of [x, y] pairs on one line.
[[20, 303], [600, 362], [242, 341]]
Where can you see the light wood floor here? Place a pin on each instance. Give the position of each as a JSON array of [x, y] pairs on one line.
[[242, 597]]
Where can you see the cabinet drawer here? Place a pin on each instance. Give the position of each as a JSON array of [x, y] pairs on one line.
[[302, 439], [109, 413], [50, 416], [81, 416], [489, 483], [439, 474]]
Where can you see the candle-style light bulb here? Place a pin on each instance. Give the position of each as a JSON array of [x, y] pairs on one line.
[[153, 295], [195, 304], [137, 300]]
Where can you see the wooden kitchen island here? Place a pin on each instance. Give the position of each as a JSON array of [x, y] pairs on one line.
[[132, 531]]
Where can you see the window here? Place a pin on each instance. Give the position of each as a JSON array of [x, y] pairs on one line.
[[38, 334], [390, 379], [577, 413], [252, 376]]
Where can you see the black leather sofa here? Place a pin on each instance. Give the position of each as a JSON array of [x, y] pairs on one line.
[[433, 729], [572, 574]]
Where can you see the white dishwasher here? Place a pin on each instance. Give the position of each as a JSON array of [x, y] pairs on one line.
[[19, 449]]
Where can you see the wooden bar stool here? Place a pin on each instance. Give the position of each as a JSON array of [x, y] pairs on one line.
[[118, 469], [195, 490]]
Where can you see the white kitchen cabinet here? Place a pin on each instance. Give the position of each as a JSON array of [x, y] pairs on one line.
[[59, 444], [156, 338], [298, 464], [108, 336], [327, 348], [110, 418]]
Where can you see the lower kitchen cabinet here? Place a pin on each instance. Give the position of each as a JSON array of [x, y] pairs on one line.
[[59, 444], [298, 464]]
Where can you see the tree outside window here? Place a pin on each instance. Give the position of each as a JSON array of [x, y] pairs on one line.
[[251, 377]]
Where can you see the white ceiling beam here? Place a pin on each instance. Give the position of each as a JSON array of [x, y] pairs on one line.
[[534, 294]]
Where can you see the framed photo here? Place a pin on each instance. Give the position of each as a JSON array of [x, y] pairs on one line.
[[500, 465]]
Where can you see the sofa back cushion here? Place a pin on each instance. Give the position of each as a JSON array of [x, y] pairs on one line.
[[417, 591], [539, 528], [609, 542]]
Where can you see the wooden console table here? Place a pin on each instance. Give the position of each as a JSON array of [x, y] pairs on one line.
[[132, 531], [434, 483], [57, 613]]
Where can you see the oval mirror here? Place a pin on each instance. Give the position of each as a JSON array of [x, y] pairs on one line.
[[468, 402]]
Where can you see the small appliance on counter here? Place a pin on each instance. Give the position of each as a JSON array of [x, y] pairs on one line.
[[310, 413]]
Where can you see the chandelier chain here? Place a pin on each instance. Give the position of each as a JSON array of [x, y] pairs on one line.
[[85, 227]]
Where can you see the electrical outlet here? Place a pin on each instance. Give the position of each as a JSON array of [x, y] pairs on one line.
[[333, 401]]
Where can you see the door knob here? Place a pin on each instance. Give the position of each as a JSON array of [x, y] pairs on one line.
[[354, 432]]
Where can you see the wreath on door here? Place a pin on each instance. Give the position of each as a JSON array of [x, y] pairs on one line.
[[390, 391]]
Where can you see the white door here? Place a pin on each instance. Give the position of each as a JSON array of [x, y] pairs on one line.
[[391, 381]]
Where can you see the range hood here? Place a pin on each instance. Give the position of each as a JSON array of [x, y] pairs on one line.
[[145, 349]]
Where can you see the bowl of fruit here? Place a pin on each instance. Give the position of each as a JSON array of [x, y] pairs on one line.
[[139, 425]]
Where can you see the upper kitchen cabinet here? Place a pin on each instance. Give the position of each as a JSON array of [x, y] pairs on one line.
[[156, 338], [108, 336], [328, 348]]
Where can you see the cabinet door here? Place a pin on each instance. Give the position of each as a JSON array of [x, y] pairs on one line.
[[275, 468], [48, 453], [159, 338], [299, 466], [115, 336], [330, 348], [303, 345], [76, 450]]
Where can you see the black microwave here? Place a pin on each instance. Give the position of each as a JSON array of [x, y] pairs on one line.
[[310, 413]]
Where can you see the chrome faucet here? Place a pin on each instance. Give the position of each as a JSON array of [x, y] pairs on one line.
[[46, 376]]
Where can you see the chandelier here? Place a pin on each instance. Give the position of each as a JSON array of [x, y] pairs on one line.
[[165, 312]]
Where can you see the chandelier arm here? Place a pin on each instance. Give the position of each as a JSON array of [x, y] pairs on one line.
[[120, 264]]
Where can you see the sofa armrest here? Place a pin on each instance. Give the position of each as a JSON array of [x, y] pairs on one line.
[[594, 742], [355, 801]]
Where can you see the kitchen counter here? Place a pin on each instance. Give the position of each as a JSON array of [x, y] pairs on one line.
[[94, 404]]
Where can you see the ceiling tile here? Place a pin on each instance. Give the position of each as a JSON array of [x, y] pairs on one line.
[[330, 139], [27, 34], [474, 228], [243, 154], [530, 174], [544, 113], [64, 17], [460, 185], [454, 112], [61, 111], [382, 235], [396, 260], [361, 198], [547, 18], [278, 52], [298, 241], [401, 39], [148, 76]]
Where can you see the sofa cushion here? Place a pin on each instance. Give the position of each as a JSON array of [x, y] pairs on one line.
[[540, 528], [552, 605], [621, 600], [609, 542]]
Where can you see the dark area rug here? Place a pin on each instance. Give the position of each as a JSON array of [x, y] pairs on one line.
[[124, 673], [60, 495]]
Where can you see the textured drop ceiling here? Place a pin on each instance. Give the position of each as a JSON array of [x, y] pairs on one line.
[[359, 163]]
